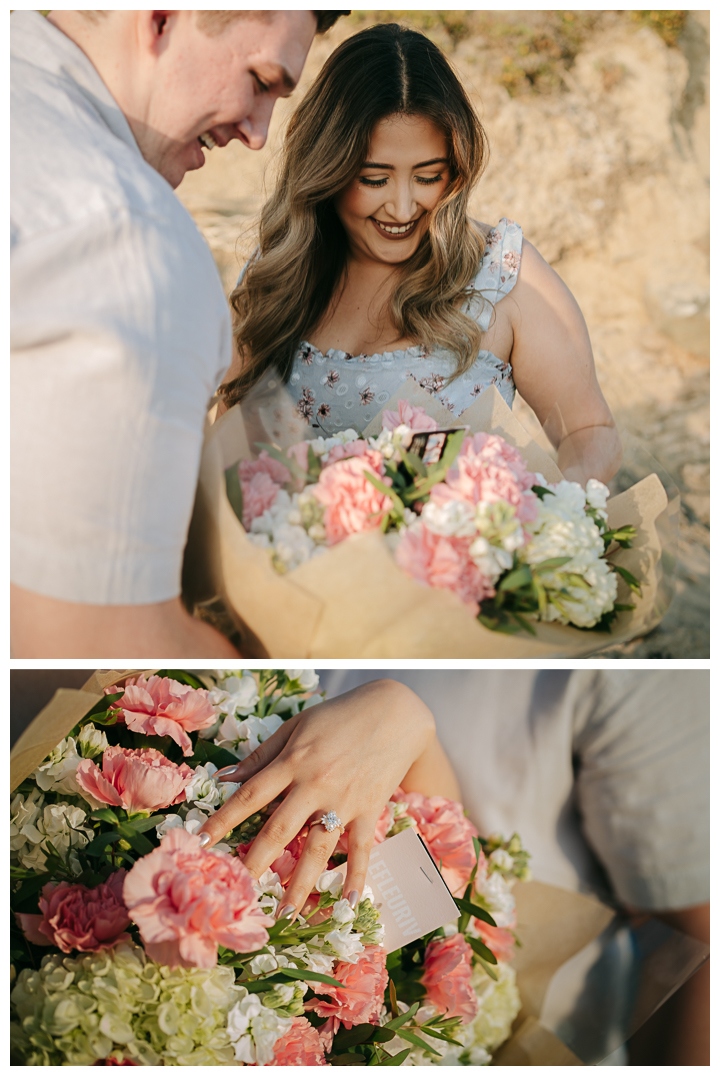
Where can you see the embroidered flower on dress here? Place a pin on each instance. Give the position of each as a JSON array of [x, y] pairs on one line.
[[511, 261], [323, 411], [477, 389], [433, 383], [366, 396], [305, 403], [306, 355], [331, 378]]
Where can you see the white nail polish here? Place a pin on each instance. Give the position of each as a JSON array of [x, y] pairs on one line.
[[204, 839]]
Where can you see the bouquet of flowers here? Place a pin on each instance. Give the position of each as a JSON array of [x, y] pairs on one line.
[[417, 538], [461, 512], [133, 945]]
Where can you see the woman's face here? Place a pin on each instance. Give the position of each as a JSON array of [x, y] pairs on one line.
[[385, 209]]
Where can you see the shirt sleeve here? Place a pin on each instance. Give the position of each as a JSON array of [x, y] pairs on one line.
[[642, 787], [120, 335]]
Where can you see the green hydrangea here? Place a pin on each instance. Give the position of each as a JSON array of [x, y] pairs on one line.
[[77, 1009]]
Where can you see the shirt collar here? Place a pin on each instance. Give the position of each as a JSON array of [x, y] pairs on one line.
[[36, 41]]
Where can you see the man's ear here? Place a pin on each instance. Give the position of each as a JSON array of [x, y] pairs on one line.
[[155, 29]]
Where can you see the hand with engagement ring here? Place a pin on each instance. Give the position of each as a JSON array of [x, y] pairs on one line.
[[350, 753]]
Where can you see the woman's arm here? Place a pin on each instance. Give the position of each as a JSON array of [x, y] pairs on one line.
[[348, 755], [554, 371]]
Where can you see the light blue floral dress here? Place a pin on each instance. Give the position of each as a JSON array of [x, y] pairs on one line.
[[333, 391]]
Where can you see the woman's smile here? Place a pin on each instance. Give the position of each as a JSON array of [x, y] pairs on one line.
[[392, 231]]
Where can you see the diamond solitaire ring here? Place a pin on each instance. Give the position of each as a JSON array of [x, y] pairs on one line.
[[330, 820]]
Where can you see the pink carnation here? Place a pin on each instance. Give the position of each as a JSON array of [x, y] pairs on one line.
[[448, 970], [134, 779], [499, 939], [301, 1045], [352, 503], [356, 448], [413, 416], [486, 470], [360, 999], [76, 917], [448, 835], [259, 494], [187, 900], [158, 706], [265, 464], [300, 452], [443, 562]]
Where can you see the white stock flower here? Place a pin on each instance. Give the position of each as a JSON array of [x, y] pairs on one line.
[[192, 822], [242, 737], [24, 811], [91, 742], [501, 859], [453, 518], [345, 943], [235, 694], [57, 772], [330, 881], [206, 791], [496, 896], [58, 824], [490, 560], [253, 1030], [306, 677], [343, 913]]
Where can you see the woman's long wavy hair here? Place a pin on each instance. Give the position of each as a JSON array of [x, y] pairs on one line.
[[384, 71]]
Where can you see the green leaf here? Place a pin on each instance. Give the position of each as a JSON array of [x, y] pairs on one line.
[[105, 814], [414, 464], [516, 579], [206, 751], [392, 495], [541, 491], [438, 1033], [100, 842], [233, 490], [411, 1037], [136, 840], [551, 564], [29, 888], [183, 677], [143, 824], [398, 1059], [629, 579], [310, 976], [488, 969], [354, 1037], [398, 1021], [474, 909], [480, 949], [349, 1059]]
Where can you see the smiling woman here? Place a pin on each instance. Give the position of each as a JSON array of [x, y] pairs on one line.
[[369, 270]]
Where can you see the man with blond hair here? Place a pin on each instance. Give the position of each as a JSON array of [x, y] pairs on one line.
[[120, 332]]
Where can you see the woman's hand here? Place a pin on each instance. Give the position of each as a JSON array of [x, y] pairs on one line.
[[347, 755]]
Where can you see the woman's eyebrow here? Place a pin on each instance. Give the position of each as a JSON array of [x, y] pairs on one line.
[[420, 165]]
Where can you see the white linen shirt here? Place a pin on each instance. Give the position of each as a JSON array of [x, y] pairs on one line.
[[120, 334], [604, 774]]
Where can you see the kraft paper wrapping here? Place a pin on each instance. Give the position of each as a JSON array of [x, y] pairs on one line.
[[353, 602], [64, 710], [552, 925]]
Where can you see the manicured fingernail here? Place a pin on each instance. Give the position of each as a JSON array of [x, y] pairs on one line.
[[286, 911], [204, 839], [353, 898], [227, 770]]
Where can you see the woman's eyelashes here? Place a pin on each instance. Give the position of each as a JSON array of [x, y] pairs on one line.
[[366, 181]]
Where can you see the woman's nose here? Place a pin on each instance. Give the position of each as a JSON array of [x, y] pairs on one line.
[[402, 204]]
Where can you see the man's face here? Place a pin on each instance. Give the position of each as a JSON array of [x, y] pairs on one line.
[[219, 87]]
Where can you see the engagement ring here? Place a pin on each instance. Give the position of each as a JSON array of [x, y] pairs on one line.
[[330, 820]]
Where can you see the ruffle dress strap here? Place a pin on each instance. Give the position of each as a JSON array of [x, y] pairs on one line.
[[499, 270], [255, 255]]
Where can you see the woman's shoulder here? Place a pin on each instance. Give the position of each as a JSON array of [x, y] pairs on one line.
[[501, 260]]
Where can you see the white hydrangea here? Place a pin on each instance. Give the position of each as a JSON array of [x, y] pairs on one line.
[[597, 496], [242, 737], [291, 529], [253, 1030], [388, 443], [501, 859], [584, 588], [32, 827], [78, 1010], [322, 445], [490, 559], [452, 518], [57, 772], [496, 896]]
